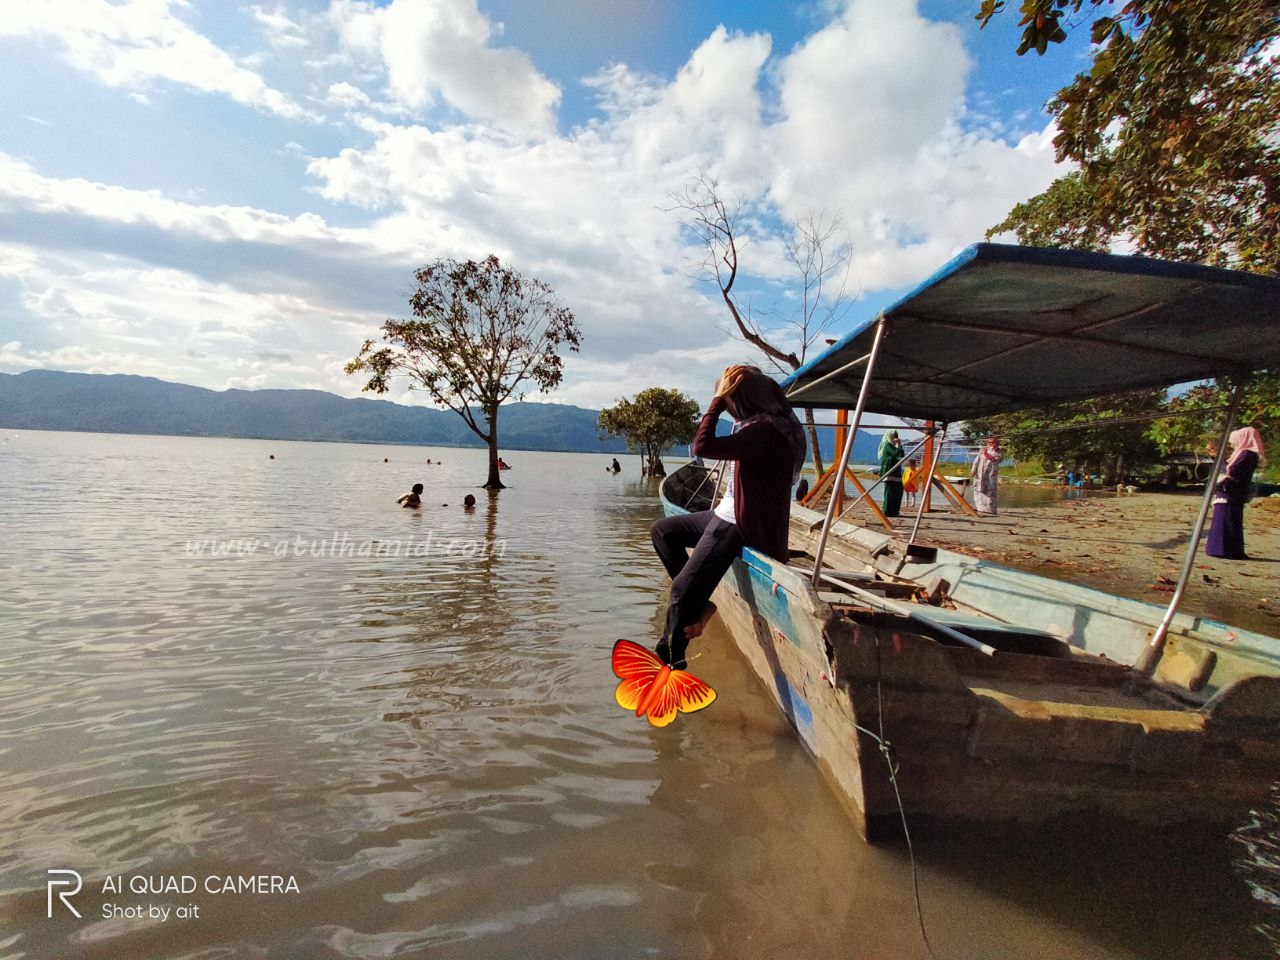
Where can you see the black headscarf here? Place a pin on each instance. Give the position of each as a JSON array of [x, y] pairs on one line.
[[759, 398]]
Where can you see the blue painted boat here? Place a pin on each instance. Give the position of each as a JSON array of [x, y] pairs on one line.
[[951, 688]]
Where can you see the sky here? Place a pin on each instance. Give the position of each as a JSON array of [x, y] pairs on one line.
[[236, 195]]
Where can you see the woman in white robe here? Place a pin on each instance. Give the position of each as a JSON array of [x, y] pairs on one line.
[[986, 474]]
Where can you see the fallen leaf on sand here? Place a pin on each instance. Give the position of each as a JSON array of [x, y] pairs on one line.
[[1161, 587], [1162, 579], [1208, 579]]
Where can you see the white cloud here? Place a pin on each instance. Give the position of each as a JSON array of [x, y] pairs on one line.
[[111, 315], [135, 44], [867, 116], [442, 48], [347, 95], [873, 124], [281, 31], [25, 190]]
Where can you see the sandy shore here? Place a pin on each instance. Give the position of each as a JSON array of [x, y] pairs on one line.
[[1128, 545]]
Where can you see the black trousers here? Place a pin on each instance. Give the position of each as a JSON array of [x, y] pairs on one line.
[[694, 576]]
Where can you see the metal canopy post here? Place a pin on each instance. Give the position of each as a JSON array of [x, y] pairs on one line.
[[1146, 663], [848, 448], [933, 467]]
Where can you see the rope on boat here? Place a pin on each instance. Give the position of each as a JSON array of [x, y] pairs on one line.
[[886, 750]]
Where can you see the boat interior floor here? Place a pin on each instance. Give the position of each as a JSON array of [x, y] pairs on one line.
[[1033, 674]]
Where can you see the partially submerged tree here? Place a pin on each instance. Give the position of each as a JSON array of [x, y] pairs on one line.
[[481, 331], [655, 420], [820, 253]]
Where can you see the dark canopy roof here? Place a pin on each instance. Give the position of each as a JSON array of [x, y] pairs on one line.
[[1003, 327]]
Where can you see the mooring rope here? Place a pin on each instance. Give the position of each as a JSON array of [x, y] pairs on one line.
[[886, 749]]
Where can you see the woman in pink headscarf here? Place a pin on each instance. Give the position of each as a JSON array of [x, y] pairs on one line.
[[1226, 532]]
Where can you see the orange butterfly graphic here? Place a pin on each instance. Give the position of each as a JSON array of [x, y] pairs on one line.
[[651, 687]]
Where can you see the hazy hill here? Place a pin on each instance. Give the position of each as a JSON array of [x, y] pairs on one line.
[[118, 403]]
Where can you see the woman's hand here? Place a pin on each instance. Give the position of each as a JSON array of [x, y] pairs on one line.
[[729, 380]]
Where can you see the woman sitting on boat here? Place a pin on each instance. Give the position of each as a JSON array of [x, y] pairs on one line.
[[766, 451], [1226, 531]]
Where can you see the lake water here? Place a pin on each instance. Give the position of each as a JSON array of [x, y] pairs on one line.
[[211, 668]]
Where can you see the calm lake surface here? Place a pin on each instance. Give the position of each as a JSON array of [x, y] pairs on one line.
[[424, 750]]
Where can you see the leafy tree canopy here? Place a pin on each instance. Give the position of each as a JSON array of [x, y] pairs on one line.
[[1176, 128], [481, 332], [656, 419]]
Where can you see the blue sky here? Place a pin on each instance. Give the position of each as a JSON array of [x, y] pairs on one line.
[[235, 194]]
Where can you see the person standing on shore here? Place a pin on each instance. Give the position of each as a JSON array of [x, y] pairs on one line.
[[765, 454], [890, 455], [986, 475], [1226, 530]]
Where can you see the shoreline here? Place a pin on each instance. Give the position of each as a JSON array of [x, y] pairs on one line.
[[1130, 545]]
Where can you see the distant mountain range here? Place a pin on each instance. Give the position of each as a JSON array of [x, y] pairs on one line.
[[119, 403]]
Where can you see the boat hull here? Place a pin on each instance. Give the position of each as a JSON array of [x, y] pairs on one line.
[[901, 723]]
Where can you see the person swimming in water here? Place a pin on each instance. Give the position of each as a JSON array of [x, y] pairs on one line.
[[412, 499], [468, 503]]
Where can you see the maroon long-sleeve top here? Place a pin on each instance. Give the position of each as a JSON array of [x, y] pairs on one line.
[[763, 462]]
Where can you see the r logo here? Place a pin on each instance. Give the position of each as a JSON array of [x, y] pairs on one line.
[[68, 878]]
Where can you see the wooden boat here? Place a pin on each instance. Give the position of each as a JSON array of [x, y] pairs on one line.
[[950, 688]]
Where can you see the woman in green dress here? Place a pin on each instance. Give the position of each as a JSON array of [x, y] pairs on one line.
[[891, 454]]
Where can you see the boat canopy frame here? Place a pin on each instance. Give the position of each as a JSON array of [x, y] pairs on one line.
[[1001, 328]]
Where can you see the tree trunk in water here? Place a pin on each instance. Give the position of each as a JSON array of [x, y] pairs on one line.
[[815, 450], [495, 479]]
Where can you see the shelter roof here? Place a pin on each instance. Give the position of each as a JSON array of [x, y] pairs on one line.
[[1003, 327]]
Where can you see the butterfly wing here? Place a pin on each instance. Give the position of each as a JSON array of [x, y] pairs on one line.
[[691, 693], [682, 692], [637, 667]]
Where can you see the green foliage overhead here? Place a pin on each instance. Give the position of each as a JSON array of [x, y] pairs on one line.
[[1176, 128], [1203, 405], [481, 331], [656, 419]]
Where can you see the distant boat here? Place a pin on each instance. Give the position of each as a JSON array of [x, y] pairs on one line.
[[1011, 697]]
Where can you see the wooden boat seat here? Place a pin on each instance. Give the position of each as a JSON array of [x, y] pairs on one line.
[[1039, 701], [866, 579]]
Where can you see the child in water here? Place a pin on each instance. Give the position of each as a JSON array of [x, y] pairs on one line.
[[413, 499], [468, 503]]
